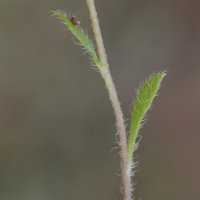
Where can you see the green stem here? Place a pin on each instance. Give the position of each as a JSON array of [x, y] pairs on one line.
[[105, 72]]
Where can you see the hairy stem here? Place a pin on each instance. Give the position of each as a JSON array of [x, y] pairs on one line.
[[105, 72]]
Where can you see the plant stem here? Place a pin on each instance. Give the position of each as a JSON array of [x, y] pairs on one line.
[[105, 72]]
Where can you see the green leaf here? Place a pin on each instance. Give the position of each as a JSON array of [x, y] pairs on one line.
[[143, 102], [80, 35]]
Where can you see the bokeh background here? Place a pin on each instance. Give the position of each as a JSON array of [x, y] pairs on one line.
[[57, 126]]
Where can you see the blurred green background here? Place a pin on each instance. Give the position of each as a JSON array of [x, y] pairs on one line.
[[57, 126]]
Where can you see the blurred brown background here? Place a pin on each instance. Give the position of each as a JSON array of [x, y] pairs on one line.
[[56, 121]]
